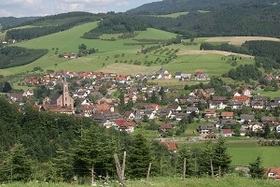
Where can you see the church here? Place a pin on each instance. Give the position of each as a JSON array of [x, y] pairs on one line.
[[61, 102]]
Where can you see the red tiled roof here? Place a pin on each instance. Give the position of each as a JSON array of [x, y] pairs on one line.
[[227, 131], [171, 146], [227, 114], [275, 171]]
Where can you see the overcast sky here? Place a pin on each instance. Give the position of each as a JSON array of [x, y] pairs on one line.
[[23, 8]]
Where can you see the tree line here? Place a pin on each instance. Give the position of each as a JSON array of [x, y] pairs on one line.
[[44, 26], [17, 56], [117, 24]]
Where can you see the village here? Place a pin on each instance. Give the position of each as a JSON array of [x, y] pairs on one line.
[[93, 96]]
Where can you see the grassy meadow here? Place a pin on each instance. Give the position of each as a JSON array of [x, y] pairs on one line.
[[175, 181], [122, 54]]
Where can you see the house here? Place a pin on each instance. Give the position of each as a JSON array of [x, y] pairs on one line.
[[246, 118], [227, 115], [69, 55], [186, 77], [277, 128], [218, 102], [236, 104], [210, 113], [171, 146], [226, 132], [256, 127], [190, 110], [165, 127], [247, 92], [224, 122], [175, 108], [205, 129], [200, 76], [273, 173], [244, 99], [178, 75], [267, 120], [258, 104]]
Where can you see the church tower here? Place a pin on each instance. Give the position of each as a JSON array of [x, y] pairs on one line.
[[67, 100]]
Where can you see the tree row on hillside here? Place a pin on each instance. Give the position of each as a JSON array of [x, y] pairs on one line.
[[116, 24], [38, 31], [17, 56]]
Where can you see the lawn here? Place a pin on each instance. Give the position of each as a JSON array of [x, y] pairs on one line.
[[173, 15], [244, 152], [270, 94]]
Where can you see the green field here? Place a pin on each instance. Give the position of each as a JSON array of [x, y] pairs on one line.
[[244, 152], [176, 181], [127, 50]]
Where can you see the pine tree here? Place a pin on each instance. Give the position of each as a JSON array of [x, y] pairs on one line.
[[20, 164], [95, 149], [256, 170], [138, 156], [62, 164], [221, 159]]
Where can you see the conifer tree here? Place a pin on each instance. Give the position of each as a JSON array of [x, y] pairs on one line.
[[20, 164], [139, 156], [221, 159], [256, 170]]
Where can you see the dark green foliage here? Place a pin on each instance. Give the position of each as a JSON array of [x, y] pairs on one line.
[[94, 149], [256, 170], [7, 87], [45, 26], [245, 72], [116, 24], [255, 17], [20, 164], [221, 159], [139, 156], [17, 56], [8, 22]]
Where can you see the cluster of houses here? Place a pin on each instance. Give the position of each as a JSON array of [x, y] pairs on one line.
[[104, 110]]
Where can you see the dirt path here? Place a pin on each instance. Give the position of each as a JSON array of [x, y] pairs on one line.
[[199, 52]]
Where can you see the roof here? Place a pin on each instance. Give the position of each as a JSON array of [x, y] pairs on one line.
[[171, 146], [209, 111], [227, 114], [275, 171], [227, 131], [166, 126]]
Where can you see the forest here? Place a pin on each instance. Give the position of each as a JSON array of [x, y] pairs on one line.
[[117, 24], [202, 19], [45, 25], [54, 147], [17, 56], [265, 52]]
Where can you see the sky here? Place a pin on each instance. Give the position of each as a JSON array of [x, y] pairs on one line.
[[25, 8]]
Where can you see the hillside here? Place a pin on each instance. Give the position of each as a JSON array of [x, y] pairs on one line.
[[214, 17], [172, 6], [117, 55], [50, 24], [12, 21]]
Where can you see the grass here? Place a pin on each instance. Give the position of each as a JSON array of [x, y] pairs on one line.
[[106, 60], [270, 94], [173, 15], [175, 181], [210, 63]]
